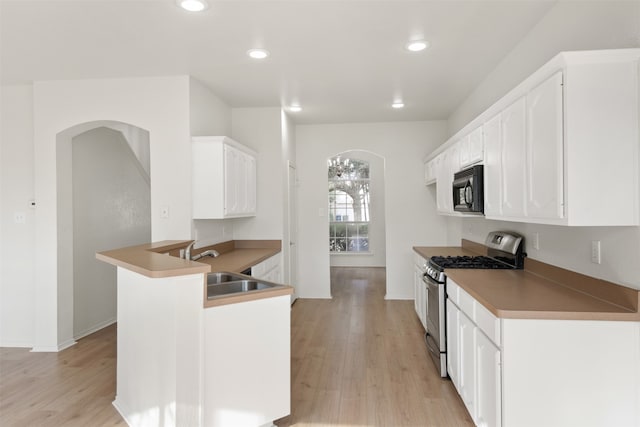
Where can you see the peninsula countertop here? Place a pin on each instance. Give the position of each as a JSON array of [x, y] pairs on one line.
[[541, 291], [161, 259]]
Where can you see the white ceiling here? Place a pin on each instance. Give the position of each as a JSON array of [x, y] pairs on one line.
[[343, 61]]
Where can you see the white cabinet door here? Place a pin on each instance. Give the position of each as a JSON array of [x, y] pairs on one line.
[[251, 185], [231, 184], [443, 184], [472, 148], [270, 269], [513, 139], [489, 384], [223, 178], [453, 343], [492, 167], [544, 150], [449, 164], [467, 353]]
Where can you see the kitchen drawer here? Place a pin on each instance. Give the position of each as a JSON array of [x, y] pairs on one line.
[[453, 292], [488, 323], [467, 304], [419, 261]]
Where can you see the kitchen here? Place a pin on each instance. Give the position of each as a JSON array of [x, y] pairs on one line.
[[595, 26]]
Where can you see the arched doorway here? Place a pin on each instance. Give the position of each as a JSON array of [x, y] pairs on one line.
[[103, 202], [357, 239]]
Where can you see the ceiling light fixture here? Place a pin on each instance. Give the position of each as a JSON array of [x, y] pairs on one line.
[[193, 5], [295, 108], [397, 104], [416, 45], [258, 53]]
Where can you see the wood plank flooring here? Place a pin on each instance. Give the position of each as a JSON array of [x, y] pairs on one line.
[[74, 387], [357, 360]]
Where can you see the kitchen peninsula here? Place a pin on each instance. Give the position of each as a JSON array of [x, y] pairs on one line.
[[186, 359]]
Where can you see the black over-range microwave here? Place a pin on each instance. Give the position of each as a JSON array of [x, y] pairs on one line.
[[468, 194]]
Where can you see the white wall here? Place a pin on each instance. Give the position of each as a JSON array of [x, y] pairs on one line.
[[111, 209], [159, 105], [261, 130], [209, 116], [410, 208], [567, 26], [377, 241], [17, 241]]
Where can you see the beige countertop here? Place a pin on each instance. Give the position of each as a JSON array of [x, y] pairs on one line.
[[161, 259], [541, 291]]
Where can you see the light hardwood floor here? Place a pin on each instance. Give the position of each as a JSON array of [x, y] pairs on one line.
[[357, 360]]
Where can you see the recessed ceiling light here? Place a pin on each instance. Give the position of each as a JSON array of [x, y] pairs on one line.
[[258, 53], [417, 45], [397, 104], [193, 5], [295, 108]]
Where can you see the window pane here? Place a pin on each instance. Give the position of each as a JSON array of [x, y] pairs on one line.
[[349, 202]]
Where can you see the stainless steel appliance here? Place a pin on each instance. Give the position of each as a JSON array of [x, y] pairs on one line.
[[468, 194], [504, 251]]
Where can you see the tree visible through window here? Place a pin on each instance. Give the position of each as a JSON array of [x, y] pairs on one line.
[[348, 205]]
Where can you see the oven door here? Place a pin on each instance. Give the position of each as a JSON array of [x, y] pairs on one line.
[[436, 335]]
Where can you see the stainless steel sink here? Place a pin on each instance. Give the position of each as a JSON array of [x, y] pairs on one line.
[[225, 283], [224, 277], [237, 287]]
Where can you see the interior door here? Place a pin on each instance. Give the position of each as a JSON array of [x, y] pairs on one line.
[[293, 229]]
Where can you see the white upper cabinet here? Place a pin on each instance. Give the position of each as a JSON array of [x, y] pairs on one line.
[[223, 178], [512, 135], [449, 164], [493, 166], [563, 146], [472, 148], [545, 193]]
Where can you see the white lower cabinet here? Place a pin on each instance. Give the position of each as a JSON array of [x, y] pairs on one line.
[[270, 269], [473, 364], [420, 291], [539, 372], [488, 382]]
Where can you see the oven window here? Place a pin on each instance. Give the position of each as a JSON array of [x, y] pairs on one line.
[[349, 202]]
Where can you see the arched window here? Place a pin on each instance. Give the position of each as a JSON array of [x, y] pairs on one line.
[[348, 205]]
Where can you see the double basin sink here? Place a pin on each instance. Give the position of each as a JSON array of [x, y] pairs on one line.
[[223, 283]]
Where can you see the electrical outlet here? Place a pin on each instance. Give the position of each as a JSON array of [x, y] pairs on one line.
[[536, 241], [164, 212], [596, 255]]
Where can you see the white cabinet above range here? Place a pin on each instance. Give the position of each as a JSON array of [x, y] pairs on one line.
[[223, 178], [563, 146]]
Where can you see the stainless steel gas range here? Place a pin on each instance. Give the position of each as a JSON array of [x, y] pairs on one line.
[[504, 251]]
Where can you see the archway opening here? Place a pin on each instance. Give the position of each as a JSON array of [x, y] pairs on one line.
[[104, 202]]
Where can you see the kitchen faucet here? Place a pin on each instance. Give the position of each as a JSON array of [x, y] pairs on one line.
[[210, 252]]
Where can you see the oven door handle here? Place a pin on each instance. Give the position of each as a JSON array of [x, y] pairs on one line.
[[431, 343]]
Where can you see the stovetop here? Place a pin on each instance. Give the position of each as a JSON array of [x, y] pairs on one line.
[[469, 262]]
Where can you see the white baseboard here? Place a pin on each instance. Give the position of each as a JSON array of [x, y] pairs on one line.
[[95, 328], [54, 349], [120, 410], [16, 344]]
